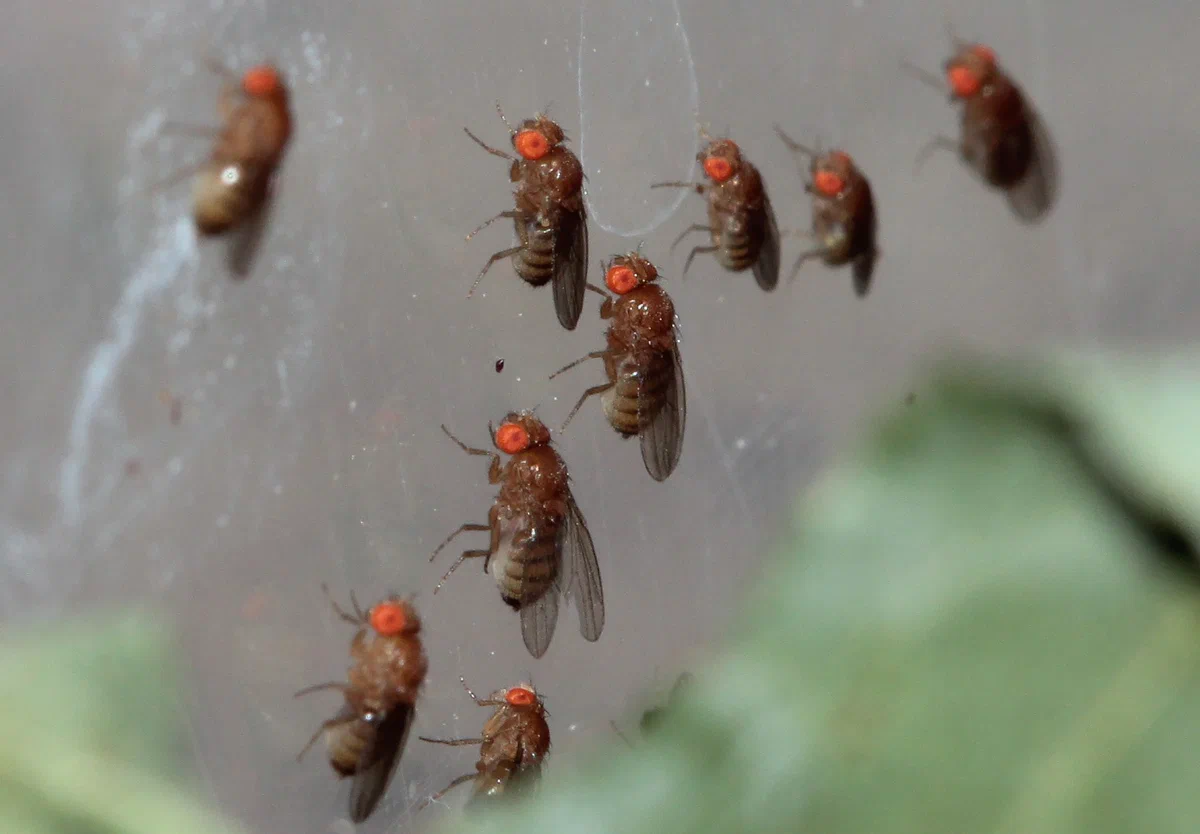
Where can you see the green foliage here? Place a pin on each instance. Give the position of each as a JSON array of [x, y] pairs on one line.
[[89, 739], [987, 620]]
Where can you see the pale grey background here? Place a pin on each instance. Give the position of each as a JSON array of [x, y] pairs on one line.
[[309, 448]]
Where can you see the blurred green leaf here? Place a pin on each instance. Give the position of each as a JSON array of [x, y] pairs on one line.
[[89, 735], [987, 620]]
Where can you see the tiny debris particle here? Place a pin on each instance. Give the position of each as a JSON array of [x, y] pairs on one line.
[[499, 365]]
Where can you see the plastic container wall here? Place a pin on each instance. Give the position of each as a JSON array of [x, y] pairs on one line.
[[309, 396]]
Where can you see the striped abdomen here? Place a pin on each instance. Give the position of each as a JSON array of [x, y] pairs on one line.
[[639, 393], [525, 564], [738, 239], [346, 744], [534, 261]]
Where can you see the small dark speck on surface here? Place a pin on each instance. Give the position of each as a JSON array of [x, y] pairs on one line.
[[499, 365]]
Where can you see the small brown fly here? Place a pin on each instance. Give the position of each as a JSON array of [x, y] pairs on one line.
[[540, 546], [366, 737], [843, 213], [1002, 138], [645, 393], [514, 745], [549, 216], [741, 222], [231, 188]]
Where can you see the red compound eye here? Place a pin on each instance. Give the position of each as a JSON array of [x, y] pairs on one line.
[[828, 184], [963, 82], [512, 438], [261, 81], [620, 279], [531, 144], [388, 618], [718, 168], [520, 696]]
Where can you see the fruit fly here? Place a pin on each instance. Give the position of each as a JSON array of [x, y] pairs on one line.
[[843, 213], [645, 392], [1002, 138], [515, 742], [540, 545], [367, 735], [549, 214], [652, 718], [231, 187], [741, 222]]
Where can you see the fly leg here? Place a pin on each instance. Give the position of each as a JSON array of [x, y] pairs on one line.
[[698, 187], [596, 354], [479, 702], [591, 392], [177, 176], [695, 227], [496, 256], [493, 468], [454, 742], [466, 528], [358, 620], [308, 690], [466, 777], [487, 147], [467, 554], [937, 143], [623, 737], [818, 251], [338, 720], [228, 99], [696, 250], [490, 221]]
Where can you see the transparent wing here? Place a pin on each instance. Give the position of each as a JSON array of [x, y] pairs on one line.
[[1033, 197], [766, 268], [863, 268], [246, 238], [579, 574], [538, 620], [377, 761], [662, 440], [570, 267]]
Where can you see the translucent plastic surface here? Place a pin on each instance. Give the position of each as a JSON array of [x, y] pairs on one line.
[[307, 446]]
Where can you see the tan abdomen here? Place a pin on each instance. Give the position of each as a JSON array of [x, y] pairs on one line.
[[531, 567], [346, 744], [222, 194], [633, 402], [535, 261]]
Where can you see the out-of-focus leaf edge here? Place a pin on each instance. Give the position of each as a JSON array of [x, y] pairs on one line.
[[1109, 415], [86, 711]]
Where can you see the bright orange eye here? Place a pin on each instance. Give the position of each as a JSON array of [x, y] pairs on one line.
[[963, 82], [531, 144], [620, 279], [828, 184], [520, 696], [261, 81], [718, 168], [388, 619], [512, 438]]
